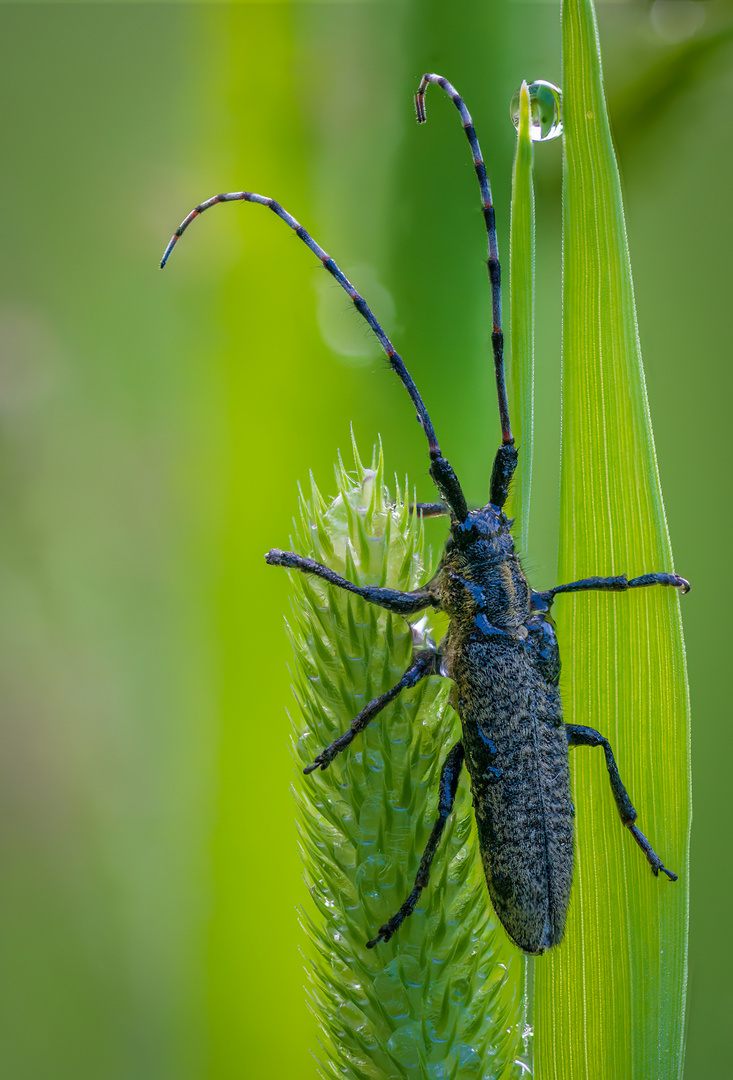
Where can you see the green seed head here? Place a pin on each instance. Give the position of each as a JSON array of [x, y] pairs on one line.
[[444, 997]]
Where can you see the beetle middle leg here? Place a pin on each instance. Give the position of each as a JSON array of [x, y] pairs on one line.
[[579, 735], [425, 662], [449, 776]]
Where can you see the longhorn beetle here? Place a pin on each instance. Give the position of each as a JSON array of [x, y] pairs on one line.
[[500, 651]]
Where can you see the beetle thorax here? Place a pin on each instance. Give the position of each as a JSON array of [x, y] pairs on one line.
[[481, 578]]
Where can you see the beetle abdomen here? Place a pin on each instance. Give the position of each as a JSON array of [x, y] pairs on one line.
[[517, 757]]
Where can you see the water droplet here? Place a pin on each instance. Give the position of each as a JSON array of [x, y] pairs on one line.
[[405, 1045], [391, 993], [371, 817], [545, 107], [352, 1017], [469, 1062], [438, 1071], [412, 974], [375, 760], [375, 875], [520, 1070], [344, 854]]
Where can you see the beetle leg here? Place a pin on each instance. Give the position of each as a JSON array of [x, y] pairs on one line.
[[579, 735], [616, 584], [426, 510], [449, 775], [426, 662], [402, 603]]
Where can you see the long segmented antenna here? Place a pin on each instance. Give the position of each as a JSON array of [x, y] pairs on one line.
[[440, 469], [497, 337]]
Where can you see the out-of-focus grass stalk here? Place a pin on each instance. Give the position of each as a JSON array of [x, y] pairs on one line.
[[520, 370], [443, 998], [610, 1001]]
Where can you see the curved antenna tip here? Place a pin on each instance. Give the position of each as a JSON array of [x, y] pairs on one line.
[[167, 252]]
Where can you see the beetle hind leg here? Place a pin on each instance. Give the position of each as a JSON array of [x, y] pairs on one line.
[[425, 662], [449, 775], [579, 735]]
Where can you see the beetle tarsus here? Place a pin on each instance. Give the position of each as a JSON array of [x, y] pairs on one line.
[[384, 935]]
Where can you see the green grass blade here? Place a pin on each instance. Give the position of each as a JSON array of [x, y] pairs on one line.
[[520, 369], [444, 998], [610, 1002], [521, 322]]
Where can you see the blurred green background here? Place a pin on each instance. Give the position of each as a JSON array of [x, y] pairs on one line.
[[154, 427]]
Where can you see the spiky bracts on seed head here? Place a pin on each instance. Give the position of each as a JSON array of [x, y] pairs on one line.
[[444, 998]]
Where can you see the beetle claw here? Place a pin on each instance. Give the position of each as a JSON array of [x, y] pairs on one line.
[[384, 935]]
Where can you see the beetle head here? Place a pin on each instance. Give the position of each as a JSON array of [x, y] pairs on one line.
[[488, 528]]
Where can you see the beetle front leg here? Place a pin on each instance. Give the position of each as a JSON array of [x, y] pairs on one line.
[[449, 775], [620, 583], [401, 603], [579, 735], [426, 662]]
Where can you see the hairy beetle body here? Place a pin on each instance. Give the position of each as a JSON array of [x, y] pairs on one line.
[[503, 658], [517, 757]]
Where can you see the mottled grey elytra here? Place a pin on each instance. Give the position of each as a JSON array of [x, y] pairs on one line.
[[500, 651]]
